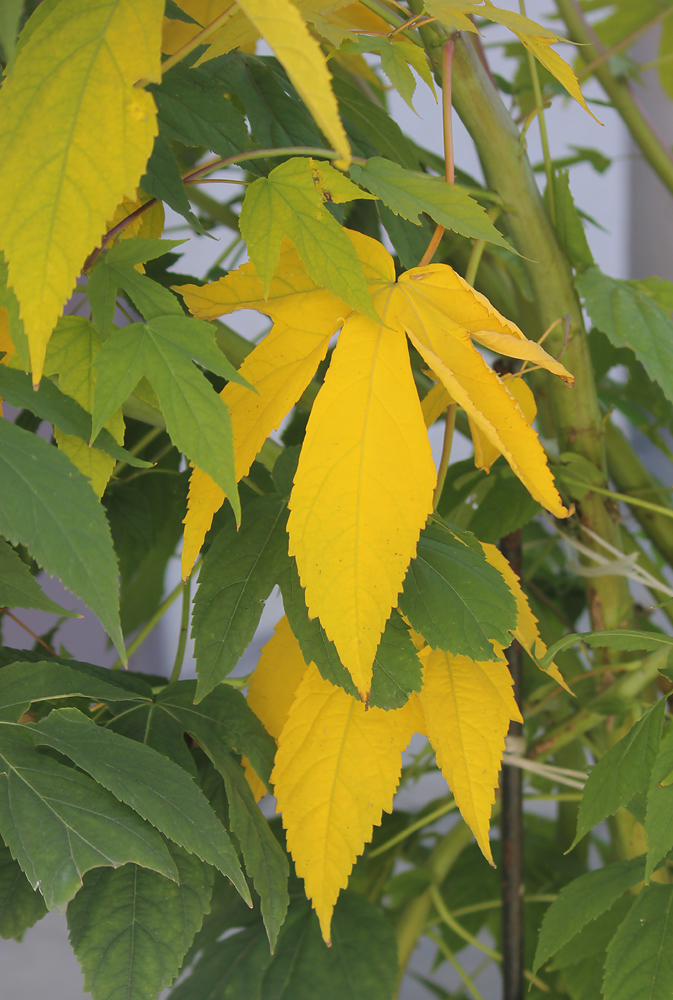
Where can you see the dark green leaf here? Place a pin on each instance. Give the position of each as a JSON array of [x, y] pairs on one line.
[[265, 861], [631, 318], [176, 13], [612, 638], [231, 969], [397, 669], [130, 928], [51, 404], [193, 110], [640, 956], [48, 506], [569, 226], [20, 589], [238, 574], [21, 684], [659, 820], [156, 788], [196, 417], [454, 597], [164, 181], [284, 469], [409, 240], [592, 941], [583, 900], [622, 772], [365, 120], [20, 905], [59, 824], [502, 502], [409, 193]]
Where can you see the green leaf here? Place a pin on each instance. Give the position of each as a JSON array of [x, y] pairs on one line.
[[238, 575], [196, 417], [409, 193], [659, 819], [640, 956], [156, 788], [175, 13], [193, 111], [116, 269], [368, 123], [397, 669], [569, 226], [360, 965], [20, 589], [21, 906], [9, 300], [288, 203], [621, 773], [502, 502], [265, 861], [582, 901], [163, 181], [409, 240], [130, 928], [631, 318], [10, 15], [48, 506], [454, 597], [49, 403], [59, 824], [612, 638], [232, 968], [21, 684], [592, 942]]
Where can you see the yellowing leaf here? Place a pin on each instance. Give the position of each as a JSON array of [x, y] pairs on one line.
[[541, 47], [6, 344], [435, 403], [272, 687], [280, 368], [337, 768], [486, 453], [362, 490], [71, 111], [468, 707], [526, 625]]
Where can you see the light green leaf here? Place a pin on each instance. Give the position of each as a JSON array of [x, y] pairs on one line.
[[265, 861], [581, 901], [408, 193], [21, 906], [622, 772], [639, 965], [130, 928], [20, 589], [454, 597], [10, 15], [631, 318], [155, 787], [612, 638], [288, 203], [659, 819], [568, 222], [196, 417], [238, 575], [48, 506], [59, 824]]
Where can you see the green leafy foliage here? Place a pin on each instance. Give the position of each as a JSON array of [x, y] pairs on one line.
[[21, 906], [639, 956], [453, 597], [622, 638], [48, 506], [568, 222], [489, 505], [163, 180], [131, 928], [18, 587], [660, 807]]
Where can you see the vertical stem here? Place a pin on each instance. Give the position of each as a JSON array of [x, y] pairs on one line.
[[184, 628], [449, 174], [446, 452], [511, 823], [537, 92]]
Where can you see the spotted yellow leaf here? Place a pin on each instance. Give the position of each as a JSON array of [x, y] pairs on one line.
[[272, 687], [70, 110], [467, 708], [337, 768], [526, 625]]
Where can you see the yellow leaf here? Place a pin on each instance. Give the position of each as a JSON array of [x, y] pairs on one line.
[[70, 355], [75, 136], [272, 687], [280, 368], [486, 453], [541, 47], [362, 490], [468, 707], [283, 27], [435, 403], [236, 33], [337, 768], [526, 623], [6, 344]]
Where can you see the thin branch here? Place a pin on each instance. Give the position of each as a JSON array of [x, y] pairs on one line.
[[447, 123], [193, 43], [6, 611]]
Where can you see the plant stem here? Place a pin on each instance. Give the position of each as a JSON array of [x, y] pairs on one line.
[[537, 91], [184, 629], [138, 447], [417, 825], [478, 248], [446, 452], [6, 611], [198, 39], [448, 954], [655, 151], [447, 123]]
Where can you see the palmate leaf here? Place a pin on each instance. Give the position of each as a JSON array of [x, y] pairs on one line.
[[59, 824], [72, 85], [639, 963], [131, 928], [19, 588], [337, 768], [158, 790], [163, 181], [408, 193], [369, 123], [239, 573], [21, 906], [48, 506]]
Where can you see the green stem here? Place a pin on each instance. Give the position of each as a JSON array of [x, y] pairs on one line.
[[478, 250], [448, 954], [199, 38], [544, 140], [446, 452], [184, 629], [417, 825], [138, 447], [657, 154]]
